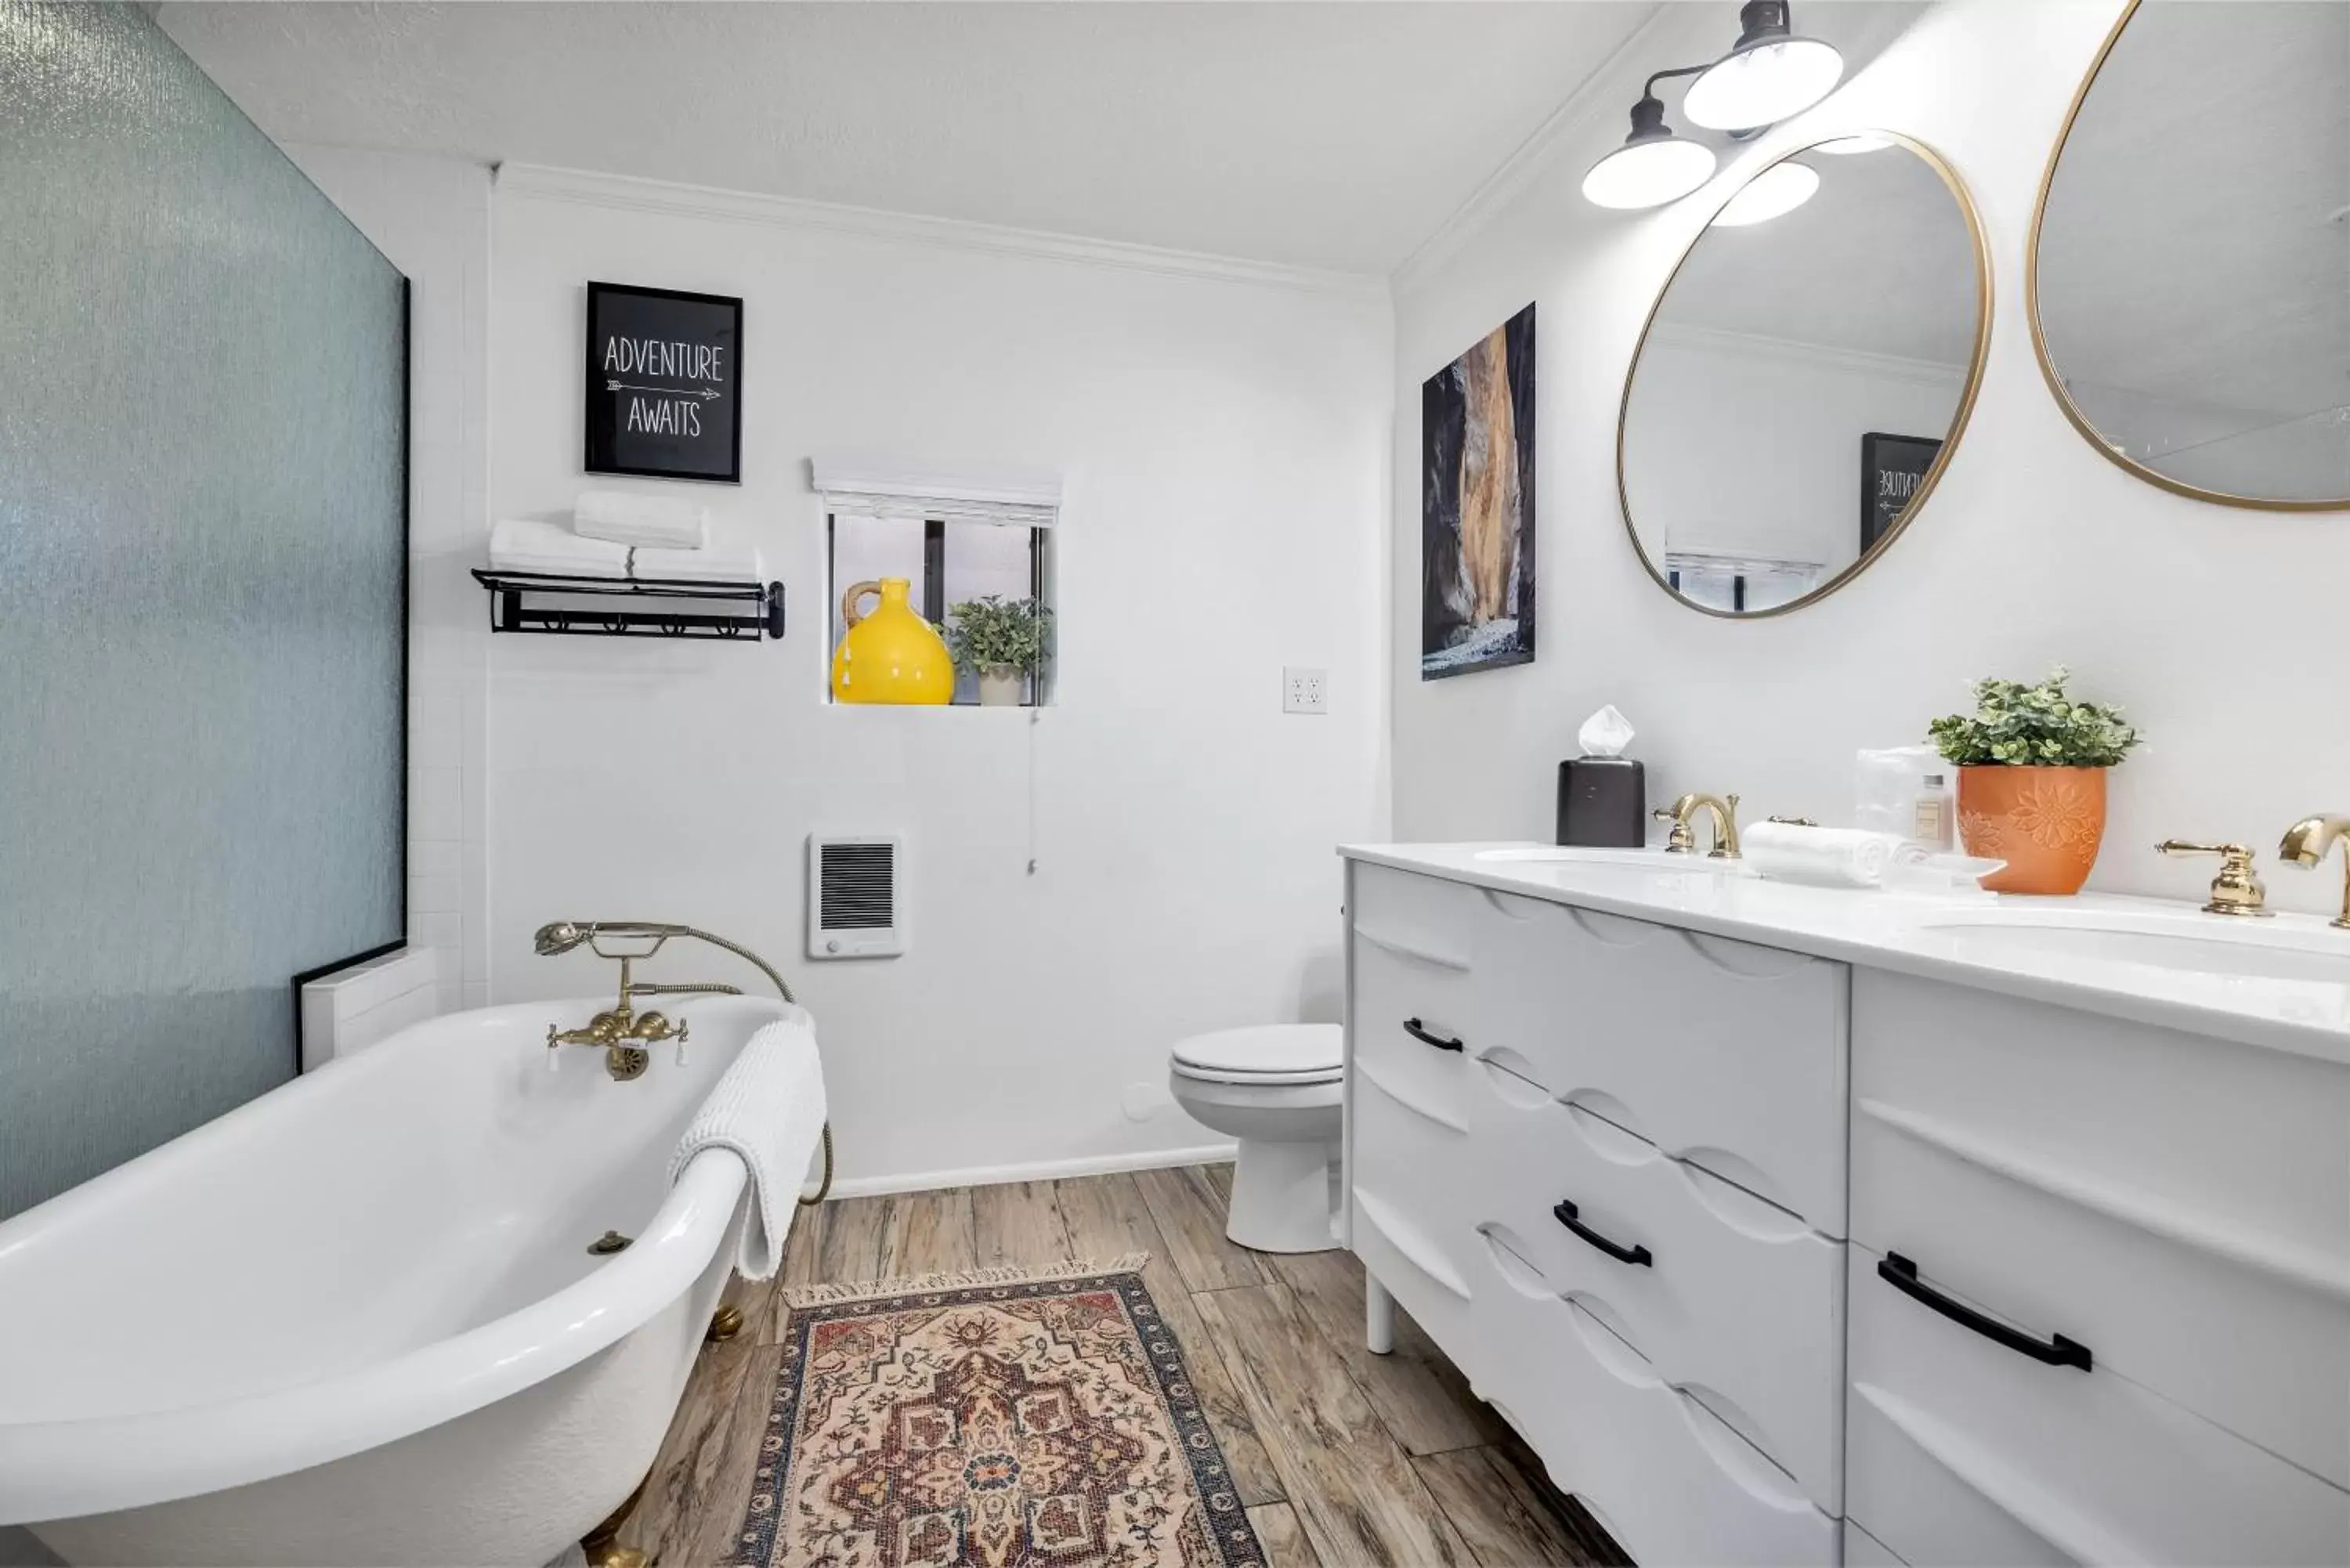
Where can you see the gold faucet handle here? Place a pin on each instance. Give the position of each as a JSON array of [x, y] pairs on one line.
[[1680, 841], [2237, 889]]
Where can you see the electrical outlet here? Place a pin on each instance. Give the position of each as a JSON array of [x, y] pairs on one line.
[[1304, 690]]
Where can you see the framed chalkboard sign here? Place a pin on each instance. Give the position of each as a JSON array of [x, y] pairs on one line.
[[664, 383], [1891, 467]]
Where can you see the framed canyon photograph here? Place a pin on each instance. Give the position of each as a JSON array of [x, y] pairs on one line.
[[1477, 506]]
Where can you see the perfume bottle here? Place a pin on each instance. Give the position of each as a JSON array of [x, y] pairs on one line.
[[1934, 818]]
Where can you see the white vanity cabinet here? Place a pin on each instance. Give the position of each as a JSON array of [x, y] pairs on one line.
[[1602, 1162], [1784, 1237], [2100, 1287]]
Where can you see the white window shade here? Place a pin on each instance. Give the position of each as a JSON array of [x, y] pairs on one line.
[[894, 488]]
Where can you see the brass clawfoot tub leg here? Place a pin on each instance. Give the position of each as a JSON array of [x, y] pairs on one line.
[[602, 1544]]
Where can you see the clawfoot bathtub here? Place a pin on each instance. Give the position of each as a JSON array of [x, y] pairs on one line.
[[356, 1321]]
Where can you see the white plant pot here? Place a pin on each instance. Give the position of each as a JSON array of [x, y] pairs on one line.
[[1000, 686]]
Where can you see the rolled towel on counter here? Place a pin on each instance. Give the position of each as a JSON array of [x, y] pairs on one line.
[[660, 522], [728, 559], [768, 1109], [525, 544], [1822, 857]]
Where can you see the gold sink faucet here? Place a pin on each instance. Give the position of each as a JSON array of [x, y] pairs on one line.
[[2305, 844], [1725, 824], [2237, 889]]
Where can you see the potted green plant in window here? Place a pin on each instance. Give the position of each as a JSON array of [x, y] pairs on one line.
[[1001, 641], [2031, 780]]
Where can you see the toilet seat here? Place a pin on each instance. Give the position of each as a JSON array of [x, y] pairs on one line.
[[1280, 1054]]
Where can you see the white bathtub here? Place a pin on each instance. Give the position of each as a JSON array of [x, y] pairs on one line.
[[356, 1321]]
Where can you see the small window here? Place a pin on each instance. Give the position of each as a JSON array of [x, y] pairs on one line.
[[948, 560]]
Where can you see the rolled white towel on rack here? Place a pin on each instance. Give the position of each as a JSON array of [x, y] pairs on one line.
[[526, 545], [727, 559], [1822, 857], [769, 1110], [660, 522]]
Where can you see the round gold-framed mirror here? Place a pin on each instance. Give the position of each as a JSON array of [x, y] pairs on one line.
[[1805, 376], [2188, 284]]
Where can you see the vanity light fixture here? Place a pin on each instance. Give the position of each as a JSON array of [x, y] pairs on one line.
[[1654, 166], [1776, 191], [1768, 75]]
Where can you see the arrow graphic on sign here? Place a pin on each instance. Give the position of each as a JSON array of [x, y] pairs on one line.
[[704, 393]]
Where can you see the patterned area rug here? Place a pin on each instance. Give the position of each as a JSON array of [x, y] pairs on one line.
[[1010, 1416]]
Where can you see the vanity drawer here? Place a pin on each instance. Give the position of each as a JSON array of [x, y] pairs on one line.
[[1735, 1297], [2170, 1299], [2178, 1204], [1720, 1052], [1662, 1473], [1418, 1167], [1397, 1251], [1962, 1451], [1414, 995]]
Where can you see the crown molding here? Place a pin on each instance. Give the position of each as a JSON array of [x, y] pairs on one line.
[[669, 198], [1654, 43], [1758, 346]]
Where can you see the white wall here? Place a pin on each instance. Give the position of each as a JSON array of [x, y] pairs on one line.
[[1224, 442], [2211, 624], [432, 217]]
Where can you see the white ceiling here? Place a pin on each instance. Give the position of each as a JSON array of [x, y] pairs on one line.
[[1335, 135]]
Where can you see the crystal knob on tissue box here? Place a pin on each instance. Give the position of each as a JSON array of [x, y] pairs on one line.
[[1603, 796]]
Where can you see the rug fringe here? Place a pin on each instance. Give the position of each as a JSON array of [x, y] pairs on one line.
[[966, 1279]]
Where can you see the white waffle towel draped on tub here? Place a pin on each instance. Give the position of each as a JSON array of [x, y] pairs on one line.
[[769, 1110]]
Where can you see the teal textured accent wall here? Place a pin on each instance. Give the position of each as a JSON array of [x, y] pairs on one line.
[[203, 581]]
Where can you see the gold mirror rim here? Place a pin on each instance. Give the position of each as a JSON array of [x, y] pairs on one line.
[[1933, 475], [2080, 421]]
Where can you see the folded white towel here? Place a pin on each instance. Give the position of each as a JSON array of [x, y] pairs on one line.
[[663, 522], [769, 1110], [1824, 857], [525, 544], [727, 559]]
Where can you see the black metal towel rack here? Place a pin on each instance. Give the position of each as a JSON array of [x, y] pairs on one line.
[[519, 602]]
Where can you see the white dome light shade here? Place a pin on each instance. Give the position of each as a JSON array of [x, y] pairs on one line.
[[1776, 191], [1763, 84], [1649, 172]]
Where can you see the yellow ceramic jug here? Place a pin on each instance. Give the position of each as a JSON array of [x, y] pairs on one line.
[[891, 655]]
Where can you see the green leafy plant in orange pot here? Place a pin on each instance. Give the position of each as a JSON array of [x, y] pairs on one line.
[[2031, 780]]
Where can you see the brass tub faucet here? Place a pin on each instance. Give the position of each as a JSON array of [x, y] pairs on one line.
[[2305, 844], [623, 1032], [1725, 824]]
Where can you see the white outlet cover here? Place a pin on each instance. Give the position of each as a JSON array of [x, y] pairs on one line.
[[1304, 689]]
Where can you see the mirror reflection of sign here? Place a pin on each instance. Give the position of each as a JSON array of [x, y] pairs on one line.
[[1892, 468]]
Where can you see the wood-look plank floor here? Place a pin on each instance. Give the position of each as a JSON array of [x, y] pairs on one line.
[[1343, 1458]]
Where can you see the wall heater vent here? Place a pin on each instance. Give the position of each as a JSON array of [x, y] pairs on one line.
[[855, 907]]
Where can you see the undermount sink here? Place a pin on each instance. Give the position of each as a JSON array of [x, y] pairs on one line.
[[2209, 944], [1654, 858]]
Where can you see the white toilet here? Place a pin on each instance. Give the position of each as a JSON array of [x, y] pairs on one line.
[[1275, 1089]]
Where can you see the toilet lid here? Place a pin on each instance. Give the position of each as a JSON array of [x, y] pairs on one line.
[[1299, 1053]]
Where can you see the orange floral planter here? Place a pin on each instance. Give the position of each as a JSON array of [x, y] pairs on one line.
[[2046, 823]]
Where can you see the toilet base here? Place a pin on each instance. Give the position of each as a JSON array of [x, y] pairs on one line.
[[1282, 1197]]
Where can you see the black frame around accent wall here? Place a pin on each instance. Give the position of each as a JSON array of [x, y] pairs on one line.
[[407, 609]]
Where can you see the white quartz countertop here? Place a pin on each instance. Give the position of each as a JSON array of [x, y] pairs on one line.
[[2282, 982]]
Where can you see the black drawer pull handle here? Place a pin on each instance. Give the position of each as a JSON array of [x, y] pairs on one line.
[[1413, 1027], [1564, 1213], [1902, 1275]]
